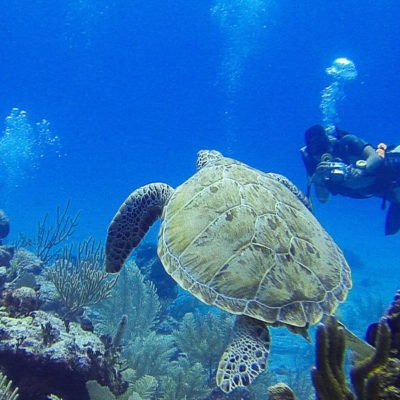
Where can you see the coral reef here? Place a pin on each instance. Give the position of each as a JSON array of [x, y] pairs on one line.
[[97, 337], [41, 357]]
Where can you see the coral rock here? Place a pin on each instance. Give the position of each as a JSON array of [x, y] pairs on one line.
[[27, 261], [280, 391], [6, 254], [21, 301], [4, 225], [3, 275], [41, 357]]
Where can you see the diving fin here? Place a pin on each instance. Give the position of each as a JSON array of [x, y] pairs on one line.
[[392, 224], [361, 348]]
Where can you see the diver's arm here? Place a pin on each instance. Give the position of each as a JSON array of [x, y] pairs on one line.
[[363, 173], [321, 192], [362, 176], [357, 147], [313, 178], [373, 160]]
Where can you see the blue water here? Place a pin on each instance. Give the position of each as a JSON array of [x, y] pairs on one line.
[[133, 90]]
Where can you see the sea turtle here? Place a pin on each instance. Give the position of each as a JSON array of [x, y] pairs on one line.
[[244, 241]]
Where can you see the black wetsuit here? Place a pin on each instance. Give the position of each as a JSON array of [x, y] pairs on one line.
[[383, 181], [346, 148]]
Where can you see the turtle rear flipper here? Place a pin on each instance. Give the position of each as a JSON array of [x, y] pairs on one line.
[[132, 221], [361, 348], [246, 356]]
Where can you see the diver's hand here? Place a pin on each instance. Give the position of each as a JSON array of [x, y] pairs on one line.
[[353, 174], [324, 167], [330, 171], [322, 171], [356, 178]]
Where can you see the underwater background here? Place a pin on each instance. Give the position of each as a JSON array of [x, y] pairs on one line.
[[98, 98]]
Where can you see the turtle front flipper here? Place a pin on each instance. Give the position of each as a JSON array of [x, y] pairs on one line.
[[246, 356], [132, 221], [292, 187]]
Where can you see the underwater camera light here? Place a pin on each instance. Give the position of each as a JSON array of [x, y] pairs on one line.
[[342, 69]]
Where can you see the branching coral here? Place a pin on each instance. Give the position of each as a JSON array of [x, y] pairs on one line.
[[6, 390], [374, 378], [389, 374], [132, 296], [143, 389], [151, 354], [48, 237], [203, 338], [184, 381], [328, 375], [79, 279], [364, 376]]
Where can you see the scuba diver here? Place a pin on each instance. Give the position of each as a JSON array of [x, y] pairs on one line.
[[347, 165]]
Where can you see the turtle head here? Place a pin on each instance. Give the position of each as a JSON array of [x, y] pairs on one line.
[[206, 157]]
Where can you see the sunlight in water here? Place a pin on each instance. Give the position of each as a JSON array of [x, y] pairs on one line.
[[242, 24]]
